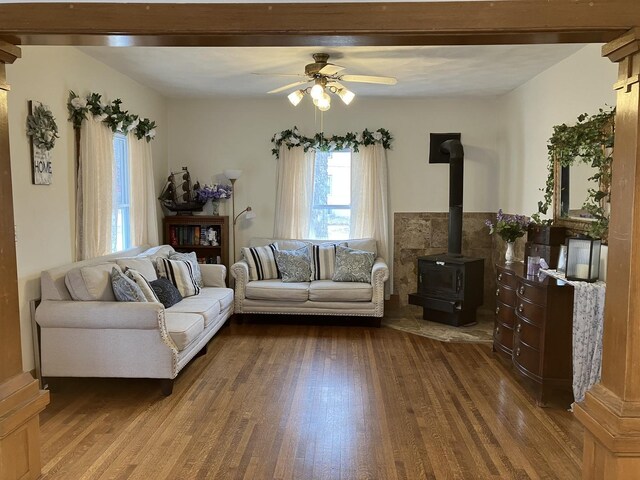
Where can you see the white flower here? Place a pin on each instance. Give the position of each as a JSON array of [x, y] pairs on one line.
[[151, 133], [359, 138], [101, 117], [133, 125], [79, 103], [295, 141], [332, 145], [119, 126], [277, 137], [296, 132], [377, 136]]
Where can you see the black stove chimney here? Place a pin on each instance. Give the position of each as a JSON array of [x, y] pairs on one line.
[[454, 149]]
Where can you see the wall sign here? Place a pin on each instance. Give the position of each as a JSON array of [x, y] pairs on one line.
[[43, 131]]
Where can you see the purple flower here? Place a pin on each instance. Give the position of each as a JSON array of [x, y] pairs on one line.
[[214, 192], [509, 227]]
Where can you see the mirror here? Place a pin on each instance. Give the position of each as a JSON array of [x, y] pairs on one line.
[[576, 181]]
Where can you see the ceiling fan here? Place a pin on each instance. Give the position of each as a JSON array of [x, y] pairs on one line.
[[326, 77]]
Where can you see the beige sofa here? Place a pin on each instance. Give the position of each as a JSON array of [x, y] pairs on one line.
[[85, 332], [319, 297]]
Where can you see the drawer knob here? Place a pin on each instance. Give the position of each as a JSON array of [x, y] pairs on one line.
[[519, 327], [497, 310], [521, 290], [497, 292], [499, 276], [521, 308], [497, 330], [518, 352]]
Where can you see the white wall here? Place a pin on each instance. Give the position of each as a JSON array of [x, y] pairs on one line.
[[209, 135], [44, 215], [582, 83]]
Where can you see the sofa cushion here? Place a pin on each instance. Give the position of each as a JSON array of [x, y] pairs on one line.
[[124, 288], [262, 262], [184, 328], [366, 244], [277, 290], [289, 244], [192, 258], [222, 295], [140, 264], [91, 283], [166, 292], [207, 307], [181, 274], [294, 265], [330, 291], [353, 265], [144, 284]]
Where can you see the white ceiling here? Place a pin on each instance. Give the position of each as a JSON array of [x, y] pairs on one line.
[[421, 71]]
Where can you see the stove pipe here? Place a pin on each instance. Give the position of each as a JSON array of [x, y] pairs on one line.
[[454, 149]]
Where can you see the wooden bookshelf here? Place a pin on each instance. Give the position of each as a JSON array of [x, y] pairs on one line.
[[188, 233]]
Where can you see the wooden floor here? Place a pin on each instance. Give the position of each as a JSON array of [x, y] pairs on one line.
[[309, 402]]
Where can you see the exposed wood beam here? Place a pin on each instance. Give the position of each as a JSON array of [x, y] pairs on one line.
[[481, 22]]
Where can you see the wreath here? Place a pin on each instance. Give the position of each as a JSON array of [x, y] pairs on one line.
[[42, 128]]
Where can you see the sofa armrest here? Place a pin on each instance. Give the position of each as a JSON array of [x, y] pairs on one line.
[[379, 275], [240, 272], [99, 315], [213, 275]]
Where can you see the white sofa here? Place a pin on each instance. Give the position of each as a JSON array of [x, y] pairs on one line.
[[319, 297], [100, 337]]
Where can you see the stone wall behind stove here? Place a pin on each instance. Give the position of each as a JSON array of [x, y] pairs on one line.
[[426, 233]]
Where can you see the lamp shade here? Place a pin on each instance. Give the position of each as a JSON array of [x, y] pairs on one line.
[[346, 95], [232, 174], [250, 214], [583, 259], [295, 97]]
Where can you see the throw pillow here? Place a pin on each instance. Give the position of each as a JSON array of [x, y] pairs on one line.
[[262, 262], [353, 265], [143, 283], [192, 258], [166, 292], [294, 265], [140, 264], [125, 289], [323, 261], [180, 273]]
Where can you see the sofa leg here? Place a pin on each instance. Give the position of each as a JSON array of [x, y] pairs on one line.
[[166, 385]]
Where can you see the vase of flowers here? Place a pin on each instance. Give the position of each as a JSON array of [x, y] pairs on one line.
[[213, 194], [510, 228]]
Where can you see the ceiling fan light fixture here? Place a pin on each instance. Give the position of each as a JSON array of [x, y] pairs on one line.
[[324, 103], [295, 97], [324, 107], [317, 91], [346, 95]]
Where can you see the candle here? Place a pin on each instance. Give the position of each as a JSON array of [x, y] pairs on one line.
[[582, 270]]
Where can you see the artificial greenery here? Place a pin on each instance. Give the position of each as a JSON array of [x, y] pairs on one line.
[[42, 128], [589, 141], [111, 114], [293, 138]]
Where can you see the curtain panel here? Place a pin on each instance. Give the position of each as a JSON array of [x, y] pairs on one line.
[[143, 208]]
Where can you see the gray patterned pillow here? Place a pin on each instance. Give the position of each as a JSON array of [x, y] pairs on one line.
[[294, 265], [125, 289], [353, 265]]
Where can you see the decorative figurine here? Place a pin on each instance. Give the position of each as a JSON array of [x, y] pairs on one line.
[[212, 236]]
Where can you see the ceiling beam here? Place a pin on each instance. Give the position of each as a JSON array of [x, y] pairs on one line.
[[406, 23]]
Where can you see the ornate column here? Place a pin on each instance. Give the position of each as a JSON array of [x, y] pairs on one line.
[[21, 400], [611, 410]]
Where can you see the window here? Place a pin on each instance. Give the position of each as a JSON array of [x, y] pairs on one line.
[[120, 225], [331, 209]]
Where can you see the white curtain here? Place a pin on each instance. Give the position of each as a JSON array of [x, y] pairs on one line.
[[96, 187], [369, 196], [142, 211], [294, 193]]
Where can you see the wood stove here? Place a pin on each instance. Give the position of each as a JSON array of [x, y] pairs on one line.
[[450, 285]]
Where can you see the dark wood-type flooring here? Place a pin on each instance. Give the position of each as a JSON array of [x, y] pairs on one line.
[[313, 402]]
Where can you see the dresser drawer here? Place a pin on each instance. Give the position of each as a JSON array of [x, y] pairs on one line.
[[506, 295], [528, 333], [503, 337], [530, 312], [506, 278], [505, 314], [532, 293], [526, 358]]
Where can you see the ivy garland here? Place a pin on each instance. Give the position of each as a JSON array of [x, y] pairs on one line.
[[293, 138], [589, 141], [117, 120], [42, 128]]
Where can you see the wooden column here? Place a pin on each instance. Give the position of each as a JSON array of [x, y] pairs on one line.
[[21, 400], [611, 410]]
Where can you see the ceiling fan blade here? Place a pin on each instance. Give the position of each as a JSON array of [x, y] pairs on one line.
[[330, 69], [369, 79], [287, 87]]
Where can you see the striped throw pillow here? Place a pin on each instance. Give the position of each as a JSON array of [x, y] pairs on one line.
[[181, 274], [262, 262], [323, 261]]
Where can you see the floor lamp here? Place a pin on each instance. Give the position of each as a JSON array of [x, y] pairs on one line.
[[233, 175]]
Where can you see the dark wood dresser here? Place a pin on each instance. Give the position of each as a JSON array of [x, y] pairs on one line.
[[533, 327]]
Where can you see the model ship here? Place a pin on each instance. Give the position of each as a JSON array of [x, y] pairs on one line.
[[180, 195]]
